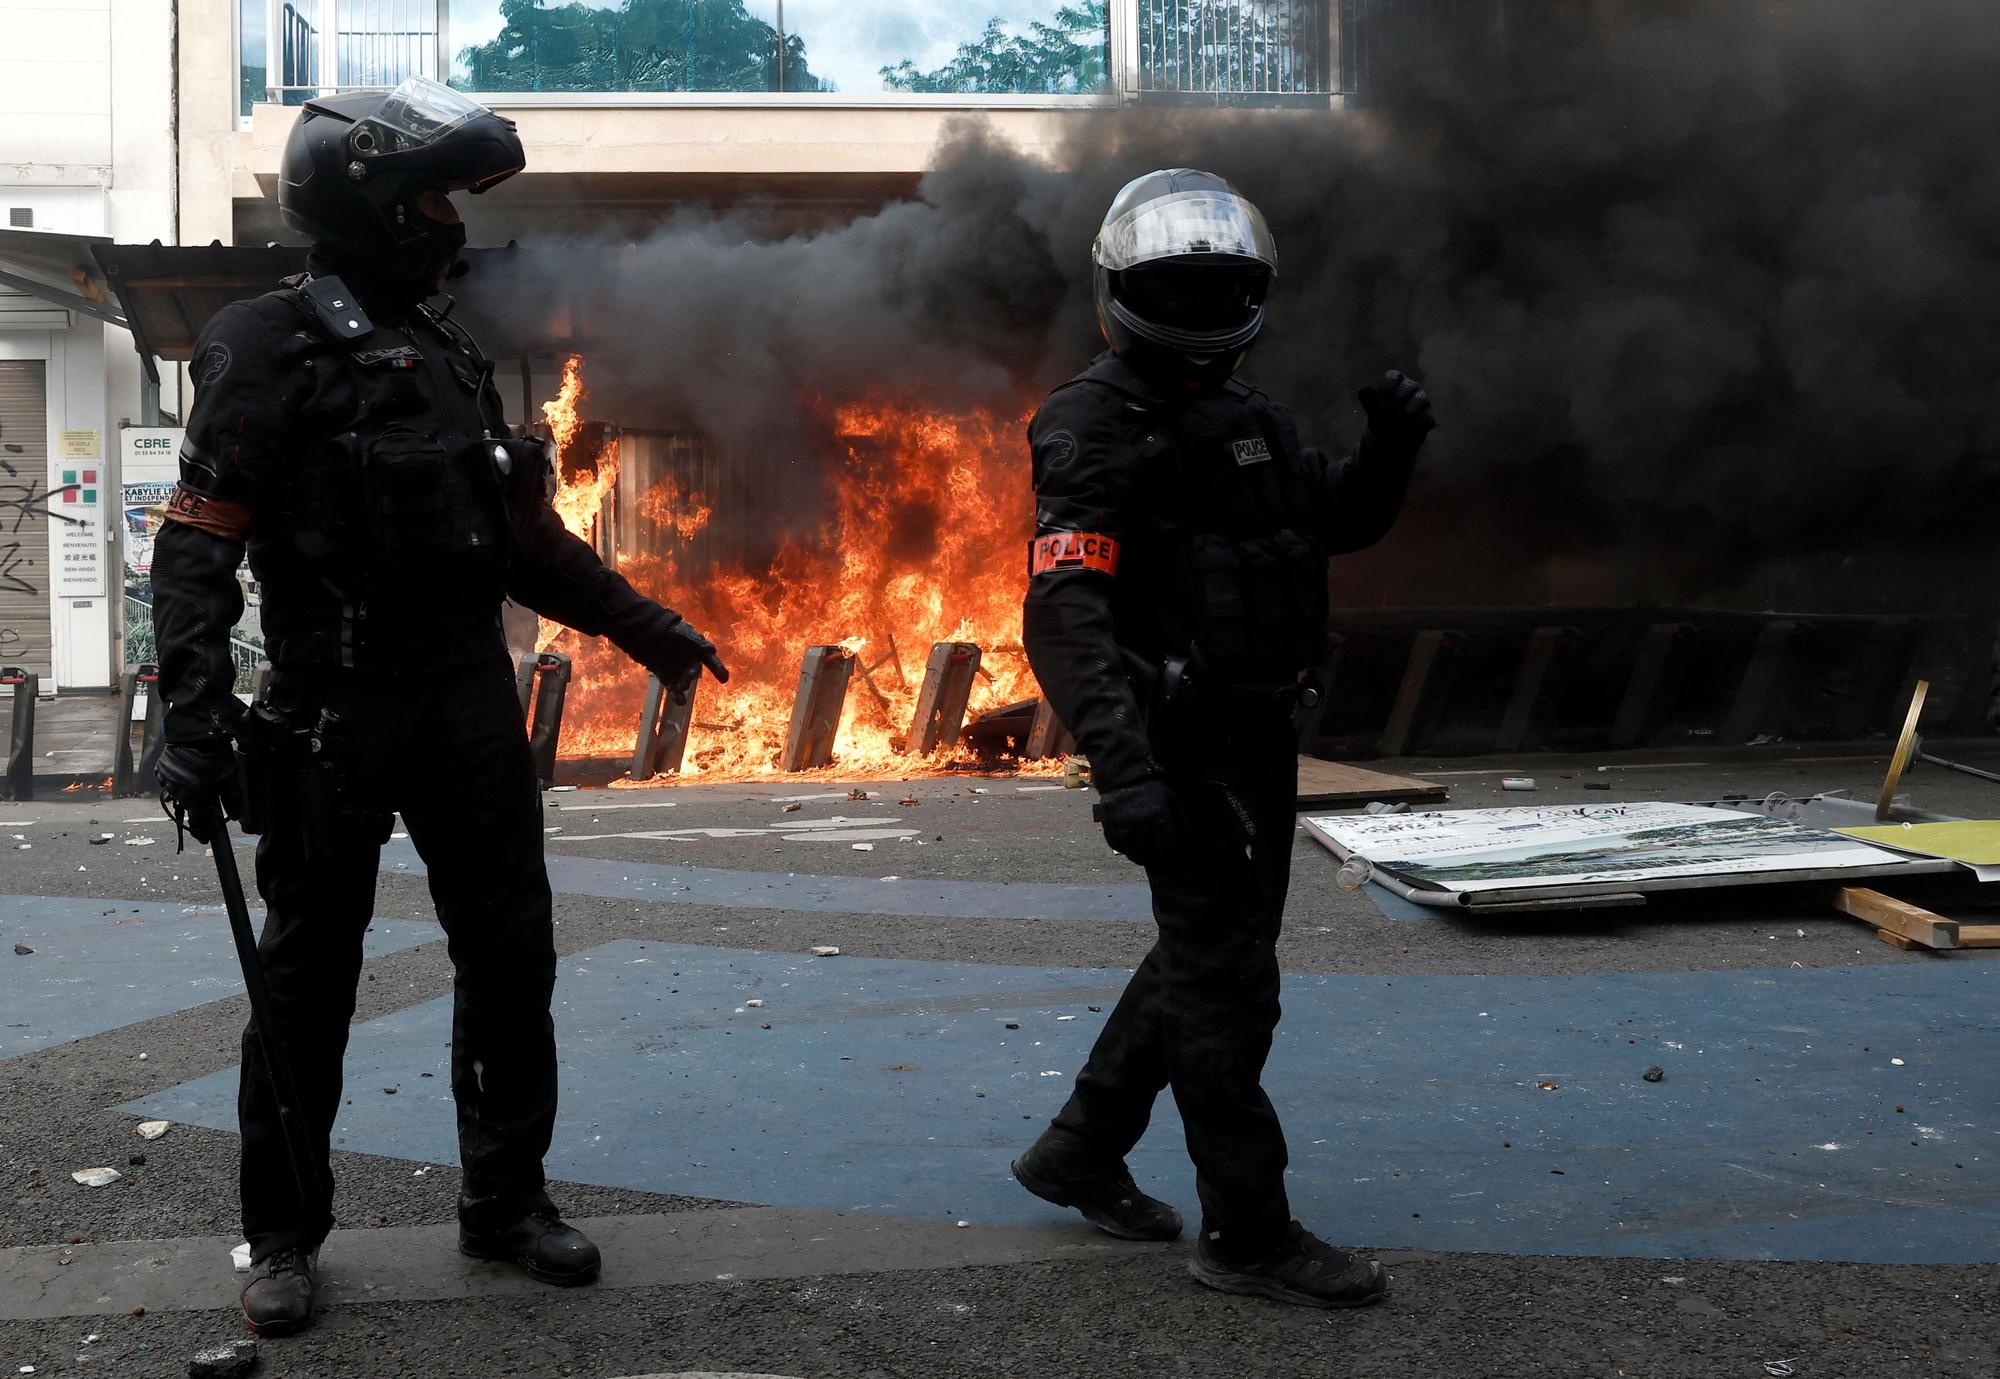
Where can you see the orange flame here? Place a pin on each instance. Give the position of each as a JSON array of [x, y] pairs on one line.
[[924, 541], [579, 499], [666, 505]]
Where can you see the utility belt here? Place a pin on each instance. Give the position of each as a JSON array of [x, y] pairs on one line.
[[1176, 691], [297, 771]]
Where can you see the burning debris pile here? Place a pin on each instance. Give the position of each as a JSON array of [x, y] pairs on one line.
[[920, 546]]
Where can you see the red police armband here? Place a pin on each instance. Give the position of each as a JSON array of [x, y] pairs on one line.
[[217, 516], [1073, 550]]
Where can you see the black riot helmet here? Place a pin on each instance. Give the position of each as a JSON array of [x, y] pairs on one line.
[[1183, 263], [367, 176]]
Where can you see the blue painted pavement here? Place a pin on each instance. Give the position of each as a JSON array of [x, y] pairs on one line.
[[100, 964], [1783, 1128]]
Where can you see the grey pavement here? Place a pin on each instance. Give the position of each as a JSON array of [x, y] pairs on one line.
[[731, 1285]]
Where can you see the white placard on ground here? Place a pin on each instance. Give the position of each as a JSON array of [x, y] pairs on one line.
[[1469, 850]]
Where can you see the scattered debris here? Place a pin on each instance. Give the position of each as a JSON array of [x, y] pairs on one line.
[[22, 950], [1384, 807], [239, 1258], [561, 789], [1061, 1018], [1095, 1010], [96, 1177], [857, 794], [151, 1129], [792, 808], [1052, 1073], [1517, 783], [909, 801], [863, 847], [135, 1160], [753, 1003], [1654, 1074], [1013, 1024], [230, 1361], [388, 1091], [101, 839], [141, 842], [1895, 1062], [138, 1311], [965, 1225], [1547, 1086], [1781, 1369], [825, 950]]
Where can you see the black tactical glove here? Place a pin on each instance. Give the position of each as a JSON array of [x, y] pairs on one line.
[[677, 656], [1399, 412], [197, 783], [1141, 820]]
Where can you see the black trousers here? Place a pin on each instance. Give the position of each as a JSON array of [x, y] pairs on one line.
[[448, 750], [1199, 1013]]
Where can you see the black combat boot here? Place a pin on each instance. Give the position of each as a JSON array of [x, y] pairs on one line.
[[1303, 1269], [279, 1300], [1055, 1171], [541, 1243]]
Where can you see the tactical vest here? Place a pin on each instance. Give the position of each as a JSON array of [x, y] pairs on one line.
[[396, 513], [1232, 532]]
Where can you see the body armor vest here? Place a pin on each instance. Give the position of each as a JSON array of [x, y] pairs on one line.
[[1227, 561], [395, 518]]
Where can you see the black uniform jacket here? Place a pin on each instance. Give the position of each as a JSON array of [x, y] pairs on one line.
[[380, 530], [1176, 523]]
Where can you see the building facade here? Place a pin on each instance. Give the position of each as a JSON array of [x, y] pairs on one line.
[[87, 156]]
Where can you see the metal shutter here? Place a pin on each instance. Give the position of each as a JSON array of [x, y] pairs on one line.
[[24, 521]]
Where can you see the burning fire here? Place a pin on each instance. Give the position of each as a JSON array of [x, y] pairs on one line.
[[580, 494], [926, 521]]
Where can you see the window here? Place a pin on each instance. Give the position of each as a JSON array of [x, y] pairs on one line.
[[985, 47]]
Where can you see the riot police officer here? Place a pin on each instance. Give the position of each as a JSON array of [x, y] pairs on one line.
[[1177, 601], [348, 433]]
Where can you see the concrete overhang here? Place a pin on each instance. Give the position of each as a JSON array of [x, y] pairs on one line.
[[688, 145]]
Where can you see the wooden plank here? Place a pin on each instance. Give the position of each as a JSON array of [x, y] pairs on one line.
[[1897, 917], [1979, 936], [1335, 782]]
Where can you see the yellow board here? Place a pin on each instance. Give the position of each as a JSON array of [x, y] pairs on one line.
[[1975, 842]]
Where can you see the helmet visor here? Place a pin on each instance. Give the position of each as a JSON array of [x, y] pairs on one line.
[[1186, 225], [1195, 302], [421, 112]]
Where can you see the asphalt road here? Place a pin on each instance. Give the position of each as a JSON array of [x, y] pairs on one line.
[[988, 1300]]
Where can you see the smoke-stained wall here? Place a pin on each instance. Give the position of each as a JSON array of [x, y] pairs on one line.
[[1706, 294]]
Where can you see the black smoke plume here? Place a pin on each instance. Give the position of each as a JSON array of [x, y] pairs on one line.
[[1706, 293]]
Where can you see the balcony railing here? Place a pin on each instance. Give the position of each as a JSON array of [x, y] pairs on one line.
[[660, 51]]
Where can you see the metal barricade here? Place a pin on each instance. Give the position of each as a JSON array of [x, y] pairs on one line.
[[550, 681], [129, 781], [823, 681], [663, 732], [941, 703], [19, 779]]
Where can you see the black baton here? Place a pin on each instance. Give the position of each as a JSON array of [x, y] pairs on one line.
[[277, 1069]]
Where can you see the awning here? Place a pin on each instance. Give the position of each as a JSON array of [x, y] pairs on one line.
[[60, 269], [169, 292]]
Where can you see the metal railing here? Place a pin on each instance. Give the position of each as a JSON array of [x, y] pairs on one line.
[[319, 47], [1235, 51], [1237, 48]]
